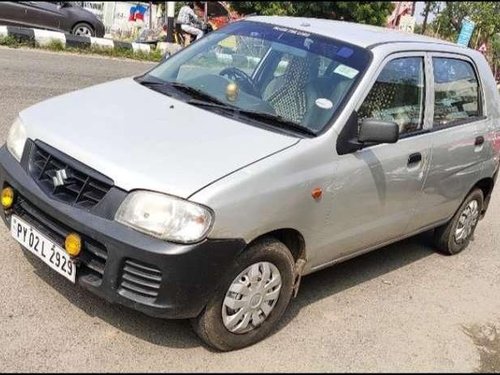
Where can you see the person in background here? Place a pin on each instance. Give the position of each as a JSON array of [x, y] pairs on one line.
[[189, 20]]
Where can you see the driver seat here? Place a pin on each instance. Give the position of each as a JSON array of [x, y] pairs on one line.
[[291, 98]]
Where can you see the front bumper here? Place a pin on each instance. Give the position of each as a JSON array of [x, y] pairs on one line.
[[117, 263]]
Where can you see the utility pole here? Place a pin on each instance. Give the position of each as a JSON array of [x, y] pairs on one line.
[[170, 6], [150, 15]]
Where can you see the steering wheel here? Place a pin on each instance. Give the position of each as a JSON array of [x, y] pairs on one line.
[[244, 80]]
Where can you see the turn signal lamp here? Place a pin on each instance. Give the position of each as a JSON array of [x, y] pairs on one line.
[[73, 244], [7, 197]]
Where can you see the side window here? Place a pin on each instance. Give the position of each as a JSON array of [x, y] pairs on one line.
[[398, 95], [456, 91]]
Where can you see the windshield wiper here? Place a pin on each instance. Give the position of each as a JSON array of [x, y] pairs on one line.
[[199, 94], [156, 85], [269, 118], [274, 119], [165, 87], [207, 100], [214, 104]]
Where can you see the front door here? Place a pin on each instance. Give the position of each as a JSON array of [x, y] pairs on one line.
[[375, 191], [13, 13]]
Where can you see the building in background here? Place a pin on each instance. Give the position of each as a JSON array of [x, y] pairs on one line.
[[402, 17], [124, 19]]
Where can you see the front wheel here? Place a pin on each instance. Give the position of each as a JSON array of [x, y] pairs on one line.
[[83, 29], [252, 299], [456, 235]]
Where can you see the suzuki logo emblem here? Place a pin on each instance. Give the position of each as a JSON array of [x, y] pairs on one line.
[[60, 178]]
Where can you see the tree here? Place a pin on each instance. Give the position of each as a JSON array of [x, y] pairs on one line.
[[374, 13], [486, 16], [495, 52], [430, 7]]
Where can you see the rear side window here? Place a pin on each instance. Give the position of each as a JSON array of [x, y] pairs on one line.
[[456, 92], [398, 95]]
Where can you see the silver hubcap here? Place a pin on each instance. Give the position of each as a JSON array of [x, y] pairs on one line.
[[83, 31], [251, 297], [467, 221]]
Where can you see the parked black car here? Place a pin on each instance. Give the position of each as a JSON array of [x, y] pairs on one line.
[[59, 16]]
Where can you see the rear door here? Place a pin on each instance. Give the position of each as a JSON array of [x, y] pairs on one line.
[[13, 13], [458, 137], [44, 15]]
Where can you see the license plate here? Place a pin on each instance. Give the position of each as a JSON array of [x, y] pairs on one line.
[[45, 249]]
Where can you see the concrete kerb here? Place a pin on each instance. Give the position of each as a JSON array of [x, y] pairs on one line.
[[3, 31], [43, 38]]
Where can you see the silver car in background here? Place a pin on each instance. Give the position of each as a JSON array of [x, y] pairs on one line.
[[269, 149]]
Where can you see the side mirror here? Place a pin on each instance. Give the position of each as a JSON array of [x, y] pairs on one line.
[[378, 131], [354, 137]]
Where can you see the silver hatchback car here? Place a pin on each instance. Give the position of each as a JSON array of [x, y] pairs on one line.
[[267, 150]]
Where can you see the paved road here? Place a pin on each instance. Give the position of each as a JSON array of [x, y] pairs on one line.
[[402, 308]]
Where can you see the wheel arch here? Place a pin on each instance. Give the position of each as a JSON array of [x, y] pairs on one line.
[[291, 238], [486, 185]]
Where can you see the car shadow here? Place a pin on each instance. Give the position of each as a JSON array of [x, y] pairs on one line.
[[162, 332], [353, 272], [315, 287]]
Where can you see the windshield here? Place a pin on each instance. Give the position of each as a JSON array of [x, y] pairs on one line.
[[299, 78]]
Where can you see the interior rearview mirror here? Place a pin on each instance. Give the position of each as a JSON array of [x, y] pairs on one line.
[[378, 131]]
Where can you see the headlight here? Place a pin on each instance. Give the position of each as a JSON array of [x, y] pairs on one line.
[[16, 139], [165, 217]]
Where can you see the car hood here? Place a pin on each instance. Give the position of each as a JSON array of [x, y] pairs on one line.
[[142, 139]]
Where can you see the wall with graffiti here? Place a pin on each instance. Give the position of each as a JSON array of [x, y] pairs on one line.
[[125, 19]]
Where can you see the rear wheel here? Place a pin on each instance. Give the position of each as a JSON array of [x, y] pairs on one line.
[[83, 29], [456, 235], [252, 298]]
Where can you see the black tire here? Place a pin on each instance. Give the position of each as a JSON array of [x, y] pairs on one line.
[[81, 25], [444, 236], [209, 325]]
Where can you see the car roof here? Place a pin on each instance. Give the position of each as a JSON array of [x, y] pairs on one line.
[[354, 33]]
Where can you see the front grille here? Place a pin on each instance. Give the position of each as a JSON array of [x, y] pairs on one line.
[[59, 178], [140, 280], [92, 260]]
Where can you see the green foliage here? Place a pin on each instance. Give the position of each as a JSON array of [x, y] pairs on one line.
[[55, 45], [495, 55], [486, 16], [429, 7], [15, 42], [8, 41], [495, 46], [374, 13]]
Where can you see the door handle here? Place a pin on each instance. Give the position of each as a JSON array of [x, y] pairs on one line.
[[479, 141], [414, 159]]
